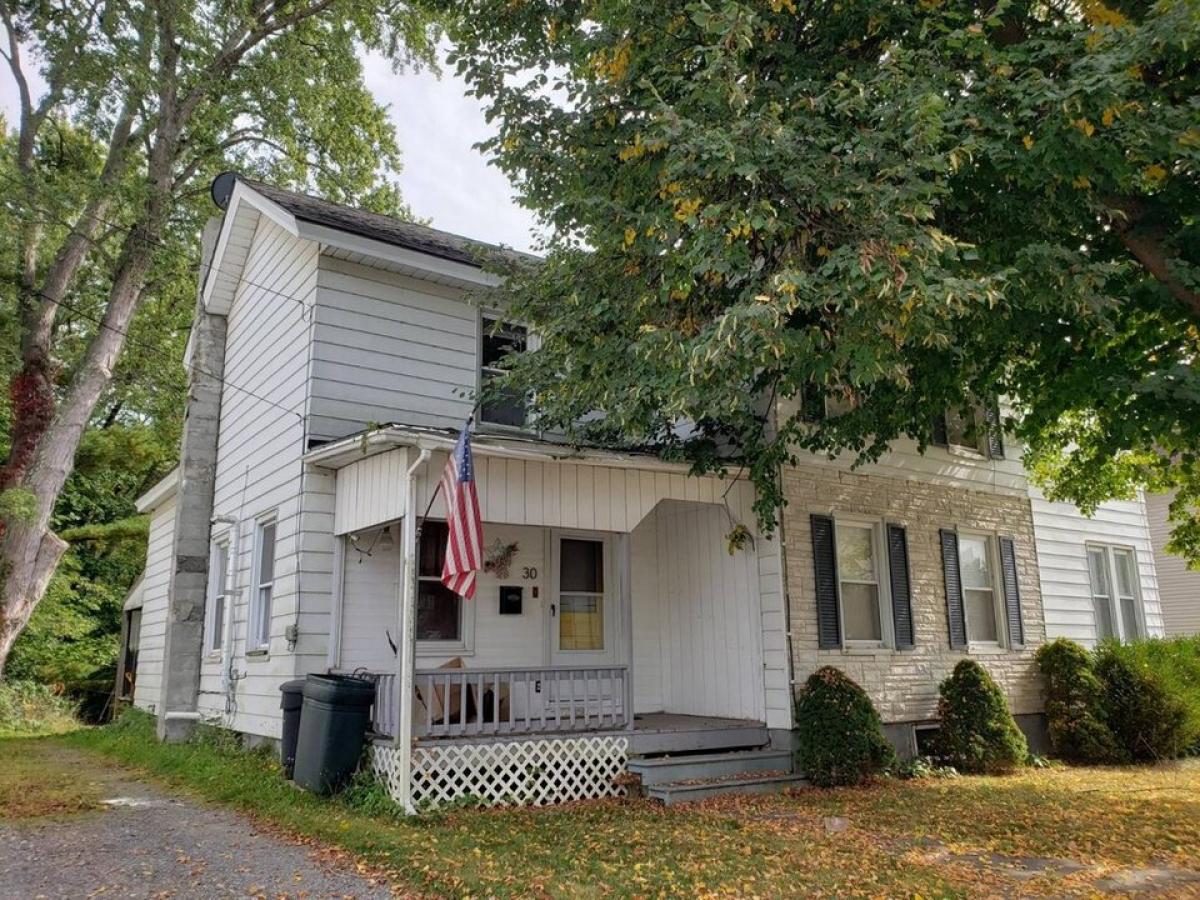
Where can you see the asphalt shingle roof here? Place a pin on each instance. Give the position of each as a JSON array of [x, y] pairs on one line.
[[387, 229]]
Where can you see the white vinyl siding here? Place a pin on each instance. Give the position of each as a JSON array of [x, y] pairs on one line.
[[156, 582], [1063, 534], [1178, 585], [389, 348], [259, 472]]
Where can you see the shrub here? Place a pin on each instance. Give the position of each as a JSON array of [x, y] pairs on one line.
[[978, 734], [1151, 698], [28, 708], [1078, 732], [840, 734]]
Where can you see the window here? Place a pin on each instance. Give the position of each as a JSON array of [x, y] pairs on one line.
[[978, 430], [264, 585], [581, 595], [439, 609], [976, 562], [1113, 574], [858, 580], [500, 339], [217, 563]]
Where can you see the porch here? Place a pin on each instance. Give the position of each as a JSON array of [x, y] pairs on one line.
[[611, 617], [593, 706]]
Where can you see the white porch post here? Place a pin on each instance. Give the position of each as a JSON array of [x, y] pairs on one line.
[[406, 653], [625, 561]]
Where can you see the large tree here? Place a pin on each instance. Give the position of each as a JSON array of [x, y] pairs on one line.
[[905, 207], [105, 184]]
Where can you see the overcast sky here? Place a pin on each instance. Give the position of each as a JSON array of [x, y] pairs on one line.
[[444, 179]]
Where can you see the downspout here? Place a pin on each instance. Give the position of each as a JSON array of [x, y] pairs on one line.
[[227, 582], [406, 658]]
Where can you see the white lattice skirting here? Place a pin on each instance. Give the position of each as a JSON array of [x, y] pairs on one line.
[[519, 772]]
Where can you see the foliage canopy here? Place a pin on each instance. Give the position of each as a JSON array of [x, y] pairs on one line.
[[904, 208]]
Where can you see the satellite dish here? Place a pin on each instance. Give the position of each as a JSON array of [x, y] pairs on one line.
[[222, 188]]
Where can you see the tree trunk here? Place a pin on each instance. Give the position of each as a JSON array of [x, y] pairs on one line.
[[29, 550]]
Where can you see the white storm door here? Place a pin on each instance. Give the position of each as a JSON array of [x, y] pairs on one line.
[[583, 601]]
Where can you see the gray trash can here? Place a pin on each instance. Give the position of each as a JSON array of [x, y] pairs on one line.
[[290, 701], [333, 722]]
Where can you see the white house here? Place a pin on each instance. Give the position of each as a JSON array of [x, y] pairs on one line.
[[613, 625]]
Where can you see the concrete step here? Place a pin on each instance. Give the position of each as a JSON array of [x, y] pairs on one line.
[[690, 792], [667, 769]]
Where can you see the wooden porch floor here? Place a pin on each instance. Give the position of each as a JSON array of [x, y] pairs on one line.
[[652, 734]]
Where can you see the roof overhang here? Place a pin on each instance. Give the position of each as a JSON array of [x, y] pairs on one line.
[[160, 493], [341, 453], [245, 209]]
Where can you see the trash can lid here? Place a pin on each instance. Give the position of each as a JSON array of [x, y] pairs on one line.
[[343, 690], [295, 686]]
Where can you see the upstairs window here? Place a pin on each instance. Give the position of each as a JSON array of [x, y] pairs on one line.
[[977, 430], [507, 408]]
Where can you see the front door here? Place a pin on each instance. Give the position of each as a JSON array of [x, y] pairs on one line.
[[583, 605]]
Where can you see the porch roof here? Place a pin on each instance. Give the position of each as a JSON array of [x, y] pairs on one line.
[[348, 450], [520, 480]]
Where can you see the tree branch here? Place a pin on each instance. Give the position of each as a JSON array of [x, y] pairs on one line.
[[1145, 241]]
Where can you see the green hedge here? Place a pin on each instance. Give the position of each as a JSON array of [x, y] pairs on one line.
[[1078, 731], [1122, 702], [977, 734], [839, 732]]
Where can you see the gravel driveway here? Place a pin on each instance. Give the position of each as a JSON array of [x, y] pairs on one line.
[[145, 842]]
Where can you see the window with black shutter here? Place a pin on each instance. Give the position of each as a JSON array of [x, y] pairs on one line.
[[829, 632], [900, 579], [954, 595], [1012, 592]]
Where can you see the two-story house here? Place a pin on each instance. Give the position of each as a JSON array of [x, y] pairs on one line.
[[612, 626]]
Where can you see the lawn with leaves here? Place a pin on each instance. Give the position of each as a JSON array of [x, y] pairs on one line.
[[953, 837]]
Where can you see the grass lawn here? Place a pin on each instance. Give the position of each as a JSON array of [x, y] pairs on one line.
[[955, 837]]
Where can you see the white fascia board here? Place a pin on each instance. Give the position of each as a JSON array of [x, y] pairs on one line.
[[242, 194], [462, 273], [160, 493], [343, 452]]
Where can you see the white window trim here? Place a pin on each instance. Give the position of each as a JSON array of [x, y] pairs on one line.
[[466, 620], [998, 598], [485, 317], [1114, 599], [887, 627], [254, 646], [213, 628]]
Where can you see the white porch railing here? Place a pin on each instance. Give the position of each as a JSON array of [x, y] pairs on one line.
[[556, 699]]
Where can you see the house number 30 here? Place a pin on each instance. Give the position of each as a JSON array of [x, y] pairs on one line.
[[529, 573]]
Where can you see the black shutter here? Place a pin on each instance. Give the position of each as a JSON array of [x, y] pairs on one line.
[[829, 631], [897, 546], [1012, 593], [954, 594], [995, 431], [939, 436]]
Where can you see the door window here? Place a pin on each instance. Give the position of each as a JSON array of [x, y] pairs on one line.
[[581, 595]]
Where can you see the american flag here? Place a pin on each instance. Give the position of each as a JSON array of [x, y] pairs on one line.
[[464, 544]]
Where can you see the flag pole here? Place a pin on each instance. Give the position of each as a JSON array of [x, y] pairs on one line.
[[406, 663]]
